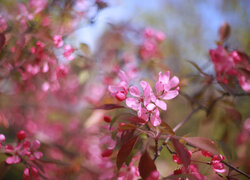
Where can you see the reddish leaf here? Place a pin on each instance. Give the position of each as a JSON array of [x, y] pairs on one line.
[[182, 176], [2, 41], [136, 119], [182, 152], [234, 114], [166, 129], [127, 126], [202, 143], [109, 106], [126, 135], [146, 165], [125, 151]]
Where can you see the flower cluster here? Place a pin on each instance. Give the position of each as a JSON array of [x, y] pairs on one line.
[[215, 163], [147, 102], [151, 42], [25, 152], [231, 64]]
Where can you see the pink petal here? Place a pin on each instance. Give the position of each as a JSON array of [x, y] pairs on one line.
[[38, 154], [122, 75], [159, 87], [174, 81], [132, 103], [170, 94], [114, 89], [161, 104], [155, 121], [2, 138], [144, 114], [150, 106], [9, 148], [13, 160], [164, 78], [36, 144], [134, 91]]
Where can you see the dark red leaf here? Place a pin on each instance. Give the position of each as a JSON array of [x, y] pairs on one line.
[[136, 119], [126, 135], [146, 165], [182, 152], [125, 151], [109, 106], [202, 143], [2, 40], [126, 126]]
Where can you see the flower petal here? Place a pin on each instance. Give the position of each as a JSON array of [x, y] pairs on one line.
[[170, 94], [161, 104], [134, 91], [132, 103]]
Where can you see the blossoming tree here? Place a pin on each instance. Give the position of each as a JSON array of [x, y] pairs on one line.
[[67, 113]]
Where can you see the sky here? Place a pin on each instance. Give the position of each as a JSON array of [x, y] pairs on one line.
[[194, 24]]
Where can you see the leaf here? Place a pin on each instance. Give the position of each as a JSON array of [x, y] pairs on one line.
[[124, 152], [127, 126], [234, 115], [109, 106], [85, 49], [146, 165], [2, 40], [182, 152], [166, 129], [136, 120], [197, 67], [202, 143], [182, 176], [126, 135]]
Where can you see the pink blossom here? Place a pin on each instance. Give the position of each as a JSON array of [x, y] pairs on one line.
[[68, 50], [224, 64], [164, 89], [3, 24], [58, 41], [30, 173], [38, 5], [120, 91], [217, 165]]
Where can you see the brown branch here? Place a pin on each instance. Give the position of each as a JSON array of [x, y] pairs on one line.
[[236, 169]]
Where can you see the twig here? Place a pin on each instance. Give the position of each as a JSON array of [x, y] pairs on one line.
[[186, 119], [156, 149], [236, 169]]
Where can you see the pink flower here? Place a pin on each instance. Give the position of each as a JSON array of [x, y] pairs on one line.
[[120, 91], [58, 42], [217, 165], [242, 65], [38, 5], [68, 50], [152, 112], [140, 100], [3, 24], [231, 64], [224, 64], [30, 172], [164, 89]]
